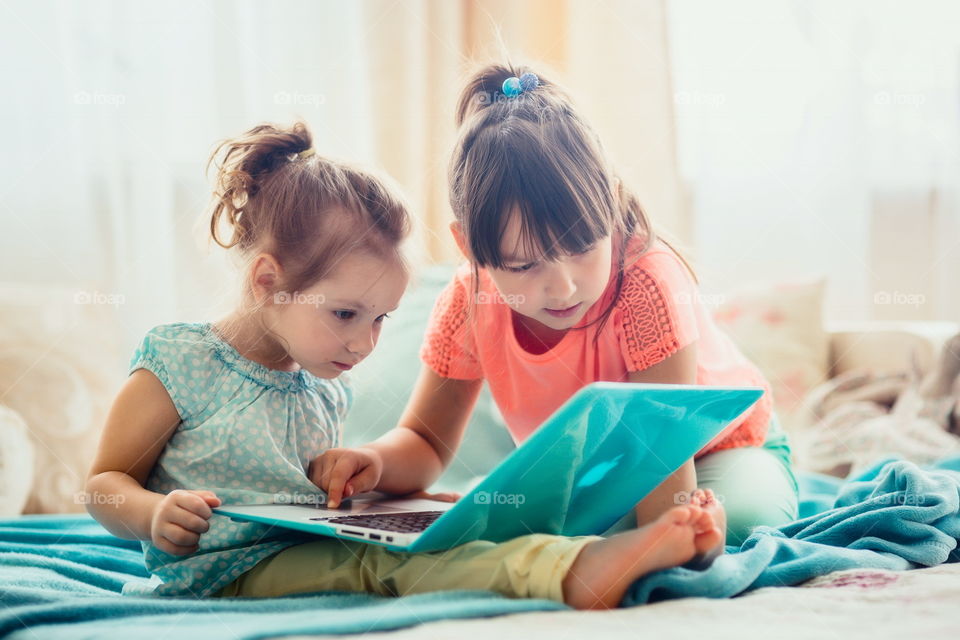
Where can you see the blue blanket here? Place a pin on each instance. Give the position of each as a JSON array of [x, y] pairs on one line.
[[63, 574]]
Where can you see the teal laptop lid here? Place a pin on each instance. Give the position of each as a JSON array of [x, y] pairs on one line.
[[601, 452]]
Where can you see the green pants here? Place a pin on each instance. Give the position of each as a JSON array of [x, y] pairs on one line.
[[756, 485], [531, 566]]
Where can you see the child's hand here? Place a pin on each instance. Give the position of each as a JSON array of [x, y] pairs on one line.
[[180, 518], [345, 472]]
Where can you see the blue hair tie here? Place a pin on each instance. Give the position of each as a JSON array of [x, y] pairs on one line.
[[514, 86]]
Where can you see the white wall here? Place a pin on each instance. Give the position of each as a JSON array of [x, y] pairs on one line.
[[821, 138]]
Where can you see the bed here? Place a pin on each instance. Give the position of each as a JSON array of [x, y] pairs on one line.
[[858, 548], [61, 572]]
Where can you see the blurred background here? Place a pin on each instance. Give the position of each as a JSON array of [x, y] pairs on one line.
[[804, 149], [775, 139]]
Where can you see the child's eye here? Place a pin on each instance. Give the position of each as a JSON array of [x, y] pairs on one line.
[[381, 318], [585, 250], [522, 268], [343, 314]]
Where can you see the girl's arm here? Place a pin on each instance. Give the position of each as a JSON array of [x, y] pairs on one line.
[[140, 422], [679, 368], [428, 434]]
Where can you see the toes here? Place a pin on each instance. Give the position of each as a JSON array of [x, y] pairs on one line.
[[708, 540], [704, 497], [696, 512], [678, 515], [704, 522], [683, 514]]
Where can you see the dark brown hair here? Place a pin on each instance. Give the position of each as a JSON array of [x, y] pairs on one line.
[[535, 153], [307, 211]]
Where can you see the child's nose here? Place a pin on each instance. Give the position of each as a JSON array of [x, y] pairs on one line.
[[560, 286], [362, 342]]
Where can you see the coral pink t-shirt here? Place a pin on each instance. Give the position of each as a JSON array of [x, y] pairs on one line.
[[657, 313]]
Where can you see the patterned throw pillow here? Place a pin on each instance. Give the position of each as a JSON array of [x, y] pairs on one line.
[[780, 328]]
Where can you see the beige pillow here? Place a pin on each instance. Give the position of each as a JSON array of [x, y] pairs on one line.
[[780, 328], [16, 463], [59, 369]]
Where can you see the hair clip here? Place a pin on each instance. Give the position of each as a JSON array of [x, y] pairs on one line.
[[306, 153], [514, 86]]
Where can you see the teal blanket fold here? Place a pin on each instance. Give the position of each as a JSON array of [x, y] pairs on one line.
[[63, 574], [893, 515]]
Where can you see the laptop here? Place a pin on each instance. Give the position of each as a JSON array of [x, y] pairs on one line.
[[589, 463]]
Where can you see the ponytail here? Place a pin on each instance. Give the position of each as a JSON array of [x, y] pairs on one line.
[[247, 159]]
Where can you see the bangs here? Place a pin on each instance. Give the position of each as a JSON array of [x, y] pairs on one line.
[[561, 193]]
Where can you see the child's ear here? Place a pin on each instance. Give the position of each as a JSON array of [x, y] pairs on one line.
[[265, 275], [457, 230]]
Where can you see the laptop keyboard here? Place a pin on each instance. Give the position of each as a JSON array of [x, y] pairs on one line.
[[413, 522]]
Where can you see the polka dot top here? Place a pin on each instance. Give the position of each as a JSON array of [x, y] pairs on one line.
[[247, 433]]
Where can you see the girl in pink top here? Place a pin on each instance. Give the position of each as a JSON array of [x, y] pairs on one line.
[[566, 284], [478, 334]]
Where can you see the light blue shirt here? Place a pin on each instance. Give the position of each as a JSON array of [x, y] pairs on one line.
[[248, 434]]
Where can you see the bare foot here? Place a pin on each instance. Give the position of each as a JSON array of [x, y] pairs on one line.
[[706, 499], [605, 569]]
